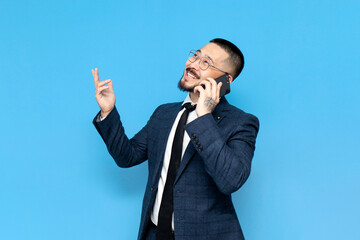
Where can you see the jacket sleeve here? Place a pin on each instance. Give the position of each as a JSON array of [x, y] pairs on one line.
[[126, 152], [227, 159]]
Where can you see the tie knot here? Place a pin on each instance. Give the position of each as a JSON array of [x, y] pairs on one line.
[[189, 107]]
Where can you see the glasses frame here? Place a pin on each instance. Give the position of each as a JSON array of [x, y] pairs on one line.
[[192, 54]]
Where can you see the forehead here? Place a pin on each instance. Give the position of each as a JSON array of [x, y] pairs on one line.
[[214, 52]]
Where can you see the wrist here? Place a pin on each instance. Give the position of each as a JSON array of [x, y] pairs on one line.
[[104, 114]]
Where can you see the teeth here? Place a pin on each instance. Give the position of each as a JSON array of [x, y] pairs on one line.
[[190, 75]]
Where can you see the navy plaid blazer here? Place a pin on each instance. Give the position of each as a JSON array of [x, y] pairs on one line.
[[215, 164]]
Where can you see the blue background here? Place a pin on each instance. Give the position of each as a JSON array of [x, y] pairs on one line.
[[301, 79]]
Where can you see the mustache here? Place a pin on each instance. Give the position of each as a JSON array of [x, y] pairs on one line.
[[192, 72]]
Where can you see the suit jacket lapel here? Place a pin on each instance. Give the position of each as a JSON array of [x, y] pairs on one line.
[[167, 124], [190, 150]]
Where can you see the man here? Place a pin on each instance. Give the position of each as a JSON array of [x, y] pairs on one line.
[[196, 158]]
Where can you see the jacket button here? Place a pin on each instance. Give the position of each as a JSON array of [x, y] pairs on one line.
[[200, 148]]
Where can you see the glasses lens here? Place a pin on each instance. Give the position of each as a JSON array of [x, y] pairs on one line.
[[204, 63], [192, 56]]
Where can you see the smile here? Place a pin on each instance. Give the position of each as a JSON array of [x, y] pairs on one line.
[[191, 74]]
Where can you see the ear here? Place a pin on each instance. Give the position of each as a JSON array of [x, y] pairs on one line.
[[230, 78]]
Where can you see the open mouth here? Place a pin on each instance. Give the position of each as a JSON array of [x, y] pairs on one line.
[[190, 73]]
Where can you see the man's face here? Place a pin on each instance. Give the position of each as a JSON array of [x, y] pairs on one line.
[[193, 75]]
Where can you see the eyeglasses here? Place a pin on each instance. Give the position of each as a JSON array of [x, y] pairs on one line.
[[204, 62]]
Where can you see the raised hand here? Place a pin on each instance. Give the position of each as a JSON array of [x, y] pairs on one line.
[[104, 95], [209, 97]]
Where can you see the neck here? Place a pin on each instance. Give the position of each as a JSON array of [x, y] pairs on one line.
[[194, 97]]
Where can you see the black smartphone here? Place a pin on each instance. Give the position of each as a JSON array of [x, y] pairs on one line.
[[225, 88]]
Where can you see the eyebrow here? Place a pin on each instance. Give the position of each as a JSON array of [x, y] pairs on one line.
[[206, 55]]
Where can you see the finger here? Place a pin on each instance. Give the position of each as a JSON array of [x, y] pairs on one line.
[[210, 79], [214, 87], [204, 82], [200, 90], [218, 91], [207, 85], [95, 74], [110, 84], [99, 91], [102, 83]]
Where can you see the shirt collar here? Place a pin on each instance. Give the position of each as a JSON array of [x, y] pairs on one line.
[[188, 100]]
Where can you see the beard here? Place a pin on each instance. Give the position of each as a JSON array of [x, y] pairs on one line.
[[182, 87]]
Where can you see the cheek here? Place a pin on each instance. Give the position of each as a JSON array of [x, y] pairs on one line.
[[205, 75]]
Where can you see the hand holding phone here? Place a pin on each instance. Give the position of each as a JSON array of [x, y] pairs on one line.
[[209, 99], [225, 88]]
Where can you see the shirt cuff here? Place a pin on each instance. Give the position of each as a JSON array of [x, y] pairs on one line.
[[99, 118]]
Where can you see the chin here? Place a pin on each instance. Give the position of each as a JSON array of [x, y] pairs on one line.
[[182, 85]]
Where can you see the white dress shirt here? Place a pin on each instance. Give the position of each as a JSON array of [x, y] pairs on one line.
[[192, 116]]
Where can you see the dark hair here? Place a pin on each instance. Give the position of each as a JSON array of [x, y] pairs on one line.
[[236, 57]]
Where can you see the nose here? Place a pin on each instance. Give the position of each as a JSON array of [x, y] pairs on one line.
[[195, 64]]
